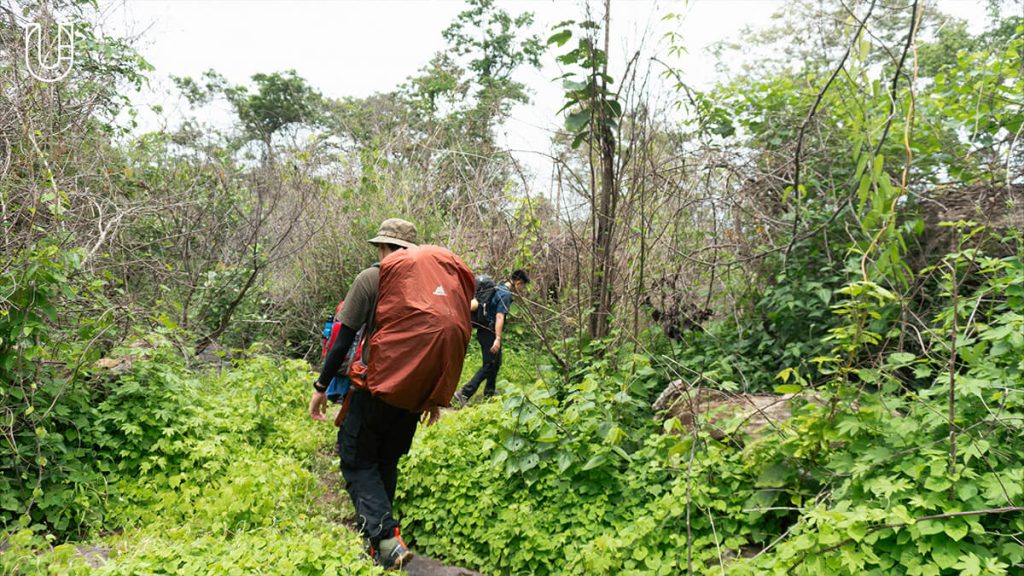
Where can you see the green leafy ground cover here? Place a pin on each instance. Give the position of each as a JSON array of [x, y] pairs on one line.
[[219, 474], [573, 476]]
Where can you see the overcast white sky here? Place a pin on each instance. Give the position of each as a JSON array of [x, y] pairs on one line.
[[348, 47]]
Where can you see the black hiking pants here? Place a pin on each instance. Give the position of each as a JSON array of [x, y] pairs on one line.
[[488, 371], [371, 440]]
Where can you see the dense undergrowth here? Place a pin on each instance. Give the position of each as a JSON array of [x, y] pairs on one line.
[[219, 474], [574, 476], [571, 474]]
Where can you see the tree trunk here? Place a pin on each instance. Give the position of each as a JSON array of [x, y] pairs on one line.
[[601, 283]]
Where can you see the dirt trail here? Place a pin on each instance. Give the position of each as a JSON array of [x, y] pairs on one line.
[[337, 500]]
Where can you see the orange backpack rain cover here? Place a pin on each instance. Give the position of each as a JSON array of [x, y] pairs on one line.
[[422, 328]]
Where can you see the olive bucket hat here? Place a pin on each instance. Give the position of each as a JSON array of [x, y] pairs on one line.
[[396, 231]]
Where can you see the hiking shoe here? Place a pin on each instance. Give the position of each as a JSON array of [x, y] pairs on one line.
[[393, 552], [459, 401]]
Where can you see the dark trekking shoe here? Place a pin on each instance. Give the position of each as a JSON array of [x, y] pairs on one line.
[[393, 552]]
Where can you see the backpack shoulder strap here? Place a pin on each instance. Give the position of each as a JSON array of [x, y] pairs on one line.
[[498, 289]]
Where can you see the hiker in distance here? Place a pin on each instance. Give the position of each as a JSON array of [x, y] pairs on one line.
[[492, 305], [413, 307]]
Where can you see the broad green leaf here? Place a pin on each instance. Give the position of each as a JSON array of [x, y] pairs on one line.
[[945, 555], [955, 528], [560, 38], [969, 565], [824, 294], [774, 476], [966, 490], [573, 85], [937, 483], [614, 107], [595, 461], [580, 138], [901, 358], [876, 168], [578, 121]]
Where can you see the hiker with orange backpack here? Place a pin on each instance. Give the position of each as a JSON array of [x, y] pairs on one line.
[[415, 310]]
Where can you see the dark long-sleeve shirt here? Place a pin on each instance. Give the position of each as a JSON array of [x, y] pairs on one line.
[[335, 357]]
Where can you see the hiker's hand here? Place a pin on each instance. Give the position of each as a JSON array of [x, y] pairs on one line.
[[432, 415], [496, 346], [318, 405]]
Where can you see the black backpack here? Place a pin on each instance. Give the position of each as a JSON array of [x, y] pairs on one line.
[[485, 288]]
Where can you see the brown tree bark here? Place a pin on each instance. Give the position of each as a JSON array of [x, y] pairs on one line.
[[605, 205]]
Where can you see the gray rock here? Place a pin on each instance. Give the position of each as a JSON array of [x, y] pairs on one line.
[[723, 413], [425, 566]]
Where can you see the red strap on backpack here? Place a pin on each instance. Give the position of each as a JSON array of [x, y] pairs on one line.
[[335, 329]]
